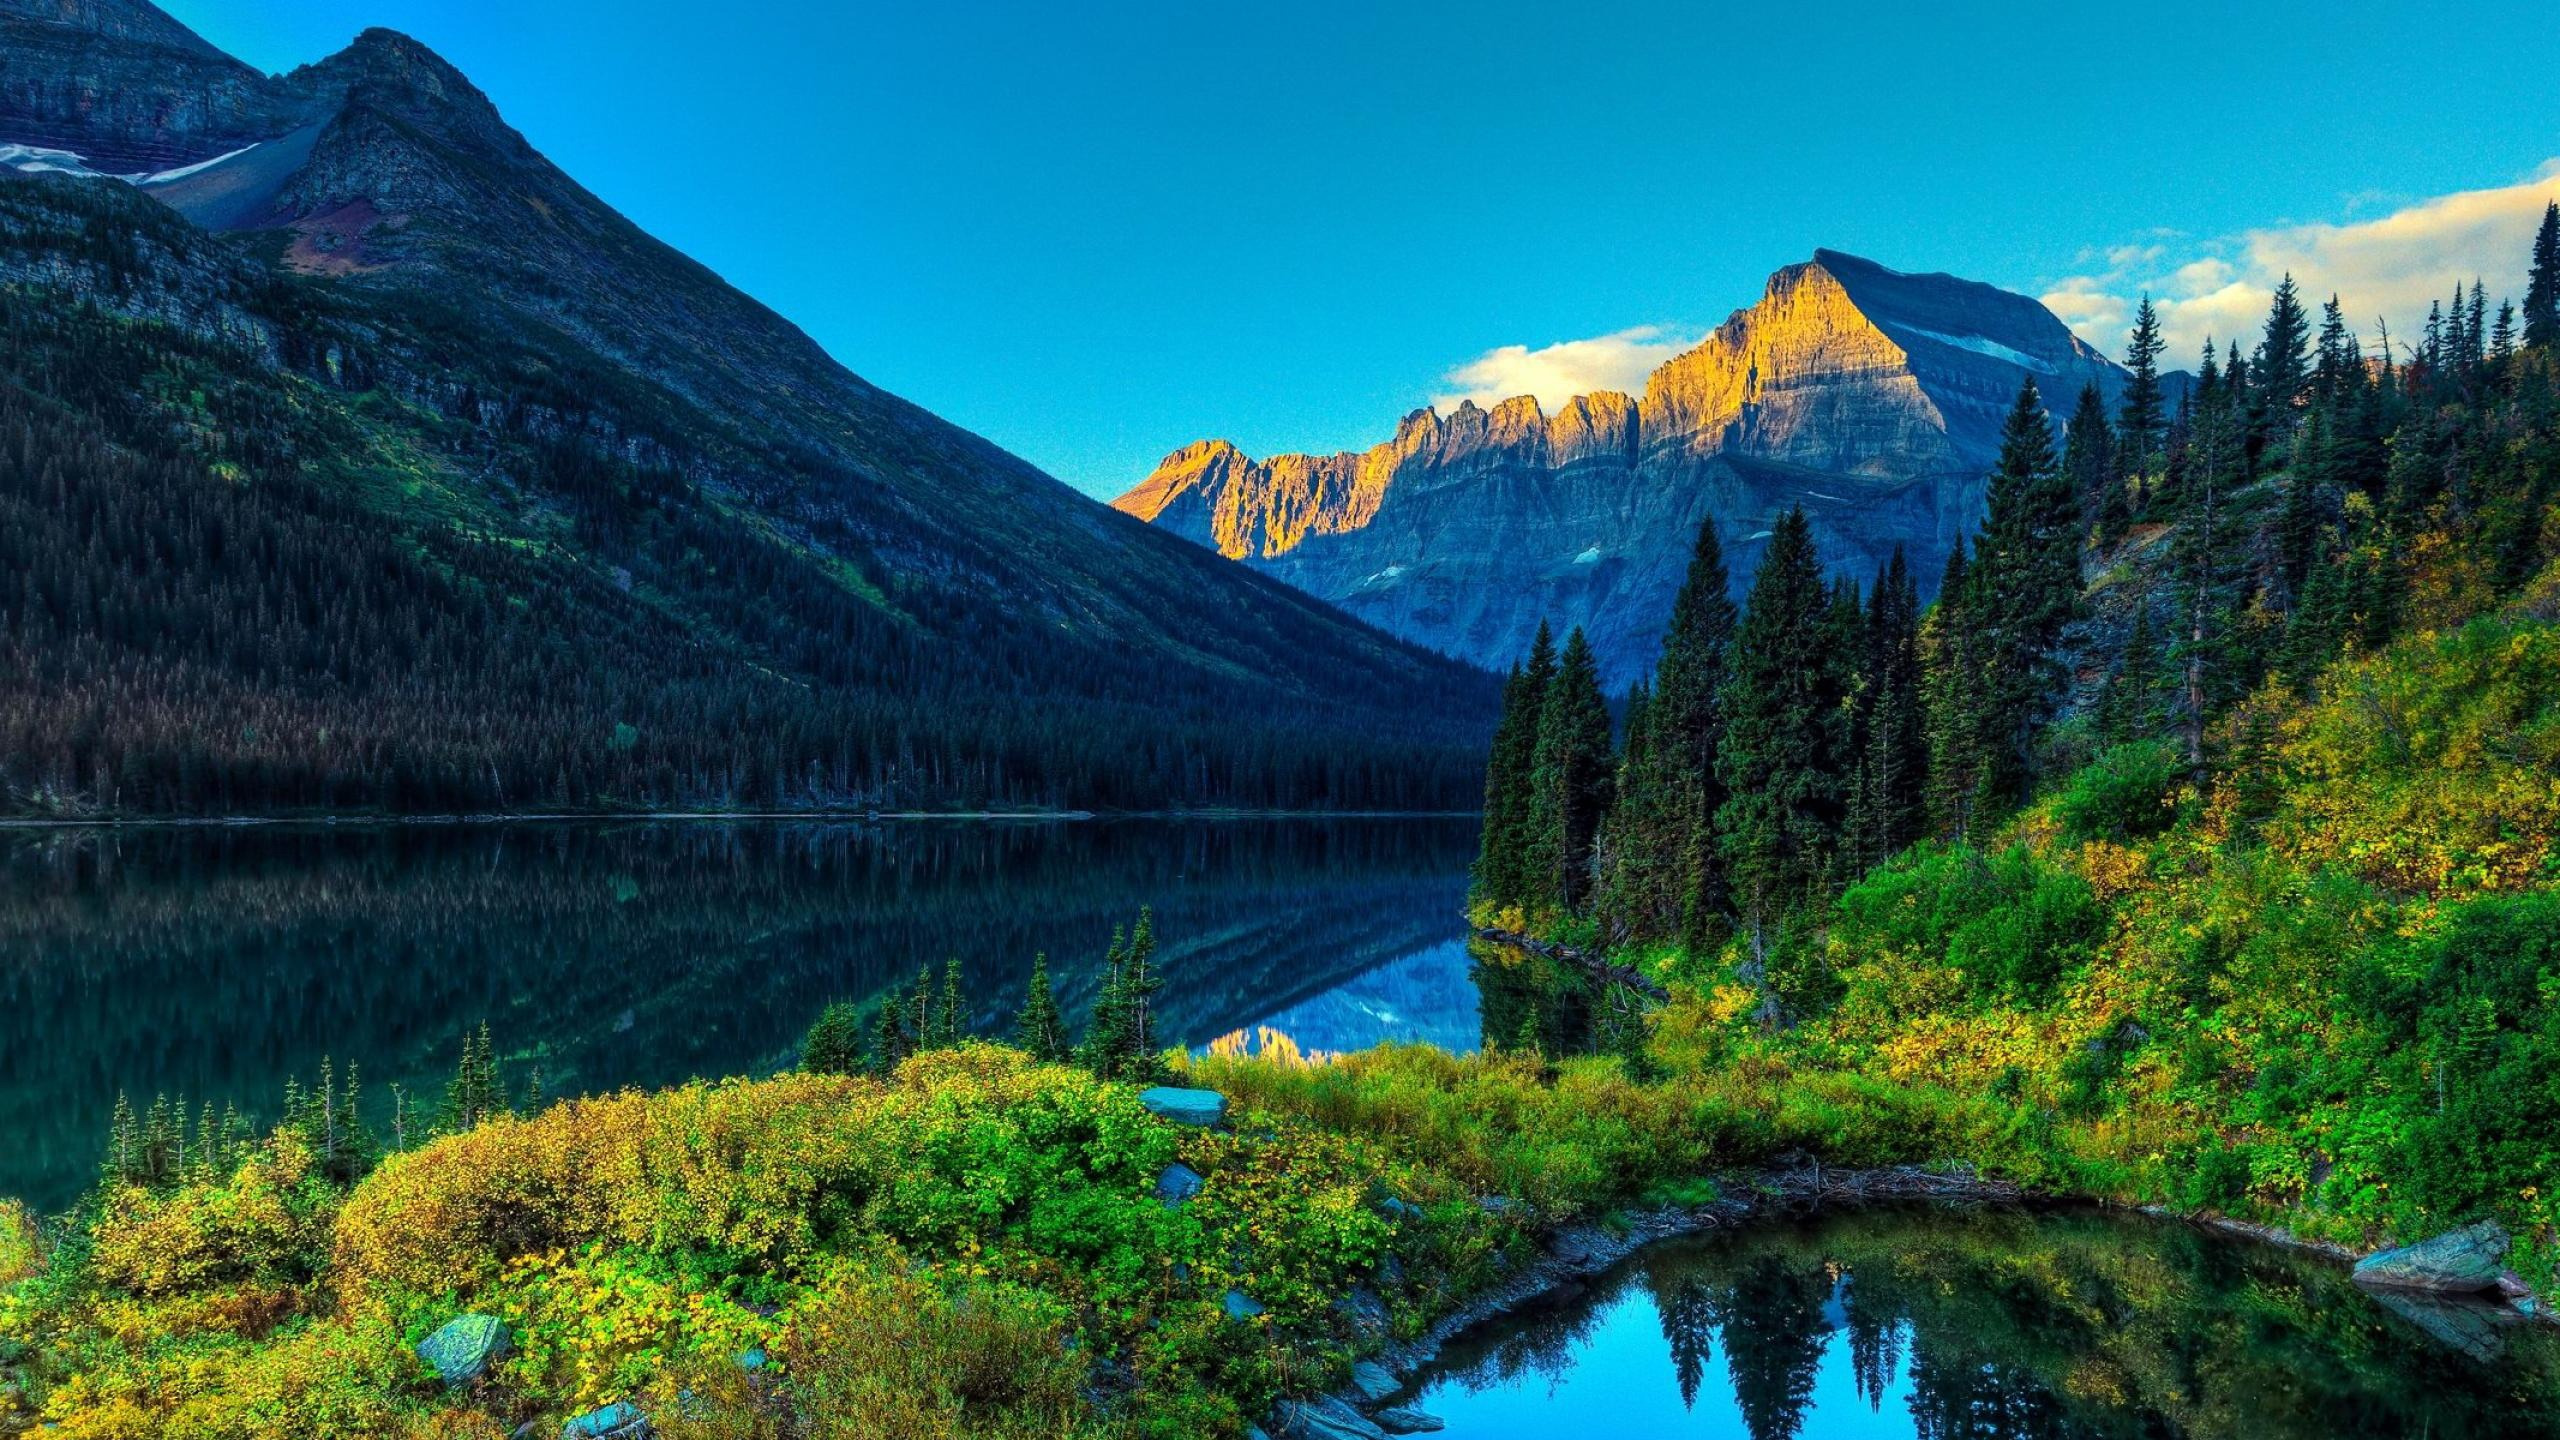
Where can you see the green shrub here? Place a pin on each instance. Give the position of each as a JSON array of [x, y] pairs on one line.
[[2128, 792], [2011, 922]]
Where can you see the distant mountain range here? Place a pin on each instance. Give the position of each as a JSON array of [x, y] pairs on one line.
[[1870, 397], [719, 566]]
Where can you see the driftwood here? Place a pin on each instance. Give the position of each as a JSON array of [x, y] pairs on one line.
[[1598, 967]]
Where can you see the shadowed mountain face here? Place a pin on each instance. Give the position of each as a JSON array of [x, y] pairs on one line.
[[1870, 397], [373, 247]]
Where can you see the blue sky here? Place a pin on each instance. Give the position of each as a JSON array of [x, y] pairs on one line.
[[1095, 232]]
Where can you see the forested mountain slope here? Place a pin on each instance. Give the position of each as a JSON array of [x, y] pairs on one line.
[[2208, 824], [379, 464]]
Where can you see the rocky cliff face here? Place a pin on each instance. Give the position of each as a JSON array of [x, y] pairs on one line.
[[1870, 397]]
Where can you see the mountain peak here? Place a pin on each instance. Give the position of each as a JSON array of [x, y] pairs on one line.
[[131, 20]]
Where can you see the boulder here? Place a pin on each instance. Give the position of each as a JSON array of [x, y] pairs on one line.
[[1373, 1382], [1240, 1306], [2467, 1261], [752, 1358], [1178, 1183], [464, 1347], [1185, 1107], [1407, 1421], [1323, 1418], [620, 1420], [1399, 1209]]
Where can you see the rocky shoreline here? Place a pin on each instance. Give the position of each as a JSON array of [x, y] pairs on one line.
[[1376, 1404], [1576, 1253]]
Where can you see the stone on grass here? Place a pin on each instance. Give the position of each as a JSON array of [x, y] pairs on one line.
[[1372, 1382], [464, 1347], [1178, 1183], [620, 1420], [1407, 1421], [1323, 1418], [752, 1358], [2467, 1260], [1185, 1107], [1240, 1306]]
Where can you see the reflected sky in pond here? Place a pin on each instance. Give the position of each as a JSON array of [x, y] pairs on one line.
[[214, 962], [1929, 1325]]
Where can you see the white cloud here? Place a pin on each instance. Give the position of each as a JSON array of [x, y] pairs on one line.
[[1557, 373], [2390, 268]]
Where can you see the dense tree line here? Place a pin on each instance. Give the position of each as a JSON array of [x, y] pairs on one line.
[[258, 562], [2252, 532]]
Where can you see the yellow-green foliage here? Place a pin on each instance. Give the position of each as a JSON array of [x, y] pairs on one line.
[[1582, 1135], [265, 1223], [875, 1353], [635, 1240], [2434, 767], [2342, 1015], [960, 1144], [19, 1257]]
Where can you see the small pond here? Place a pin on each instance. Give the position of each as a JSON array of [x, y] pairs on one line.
[[1935, 1325]]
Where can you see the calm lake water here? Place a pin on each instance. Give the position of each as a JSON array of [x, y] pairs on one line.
[[1929, 1325], [214, 963]]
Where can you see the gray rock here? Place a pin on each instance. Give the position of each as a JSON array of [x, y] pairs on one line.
[[1405, 1420], [2460, 1323], [1240, 1306], [620, 1420], [1365, 1312], [1323, 1418], [1185, 1107], [464, 1347], [1400, 1209], [2467, 1260], [1178, 1183], [1373, 1382]]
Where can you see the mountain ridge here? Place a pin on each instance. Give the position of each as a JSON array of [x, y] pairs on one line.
[[1871, 396], [399, 260]]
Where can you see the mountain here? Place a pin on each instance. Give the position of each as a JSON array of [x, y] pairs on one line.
[[1871, 397], [625, 535]]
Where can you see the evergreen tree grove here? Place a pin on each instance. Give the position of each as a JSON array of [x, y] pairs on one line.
[[1782, 759]]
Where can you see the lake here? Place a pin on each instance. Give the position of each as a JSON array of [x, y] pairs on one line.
[[214, 962], [1936, 1325]]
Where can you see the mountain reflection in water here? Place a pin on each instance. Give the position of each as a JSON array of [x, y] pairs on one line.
[[214, 962]]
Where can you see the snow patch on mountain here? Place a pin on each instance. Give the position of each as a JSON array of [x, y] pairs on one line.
[[40, 160], [1982, 345]]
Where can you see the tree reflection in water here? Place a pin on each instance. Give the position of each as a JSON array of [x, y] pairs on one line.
[[1987, 1326]]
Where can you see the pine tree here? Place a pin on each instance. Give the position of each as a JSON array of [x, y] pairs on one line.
[[1656, 885], [833, 1045], [1041, 1030], [1120, 1043], [2542, 285], [1502, 860], [2142, 422], [1572, 778], [1782, 758], [2026, 586], [1953, 690], [2282, 372], [1888, 807], [2089, 467], [2298, 525], [477, 1092], [2130, 710], [891, 1040], [951, 1015]]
